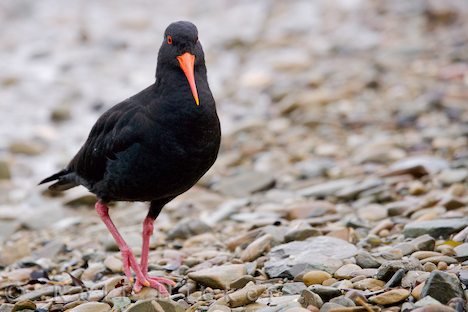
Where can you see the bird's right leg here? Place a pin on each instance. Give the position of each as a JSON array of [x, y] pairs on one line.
[[128, 259]]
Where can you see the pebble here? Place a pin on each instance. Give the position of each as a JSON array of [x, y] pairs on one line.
[[245, 183], [92, 307], [219, 277], [325, 292], [315, 277], [242, 297], [390, 297], [435, 228], [371, 284], [442, 286], [257, 248], [309, 298]]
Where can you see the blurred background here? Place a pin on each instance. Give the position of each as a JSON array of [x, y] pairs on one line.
[[307, 92]]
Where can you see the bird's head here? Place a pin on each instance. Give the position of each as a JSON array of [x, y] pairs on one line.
[[182, 50]]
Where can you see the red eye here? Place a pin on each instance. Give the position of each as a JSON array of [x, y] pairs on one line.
[[169, 39]]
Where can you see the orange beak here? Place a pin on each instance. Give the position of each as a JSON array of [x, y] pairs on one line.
[[187, 62]]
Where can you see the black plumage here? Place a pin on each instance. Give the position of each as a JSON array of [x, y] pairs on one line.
[[158, 143]]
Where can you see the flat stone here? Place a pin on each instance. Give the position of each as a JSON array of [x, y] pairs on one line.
[[371, 284], [245, 183], [461, 251], [418, 165], [344, 301], [168, 305], [188, 228], [317, 253], [293, 288], [241, 282], [451, 176], [434, 308], [390, 297], [366, 260], [437, 259], [92, 307], [309, 209], [413, 278], [327, 188], [442, 286], [219, 277], [435, 228], [428, 300]]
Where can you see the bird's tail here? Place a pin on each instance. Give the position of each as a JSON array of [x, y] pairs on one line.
[[66, 180]]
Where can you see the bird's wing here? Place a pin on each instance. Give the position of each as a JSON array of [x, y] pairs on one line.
[[115, 131]]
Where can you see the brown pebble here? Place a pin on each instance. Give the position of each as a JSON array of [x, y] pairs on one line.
[[442, 266], [416, 292], [429, 267], [329, 282], [384, 233], [315, 277]]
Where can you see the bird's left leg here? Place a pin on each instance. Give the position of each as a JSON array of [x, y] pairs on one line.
[[155, 282]]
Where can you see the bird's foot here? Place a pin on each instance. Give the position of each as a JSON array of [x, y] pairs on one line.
[[154, 282]]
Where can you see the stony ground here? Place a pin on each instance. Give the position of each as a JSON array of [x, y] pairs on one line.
[[341, 185]]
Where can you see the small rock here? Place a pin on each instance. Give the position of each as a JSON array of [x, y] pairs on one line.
[[343, 301], [428, 300], [315, 277], [371, 284], [309, 298], [390, 297], [416, 292], [451, 176], [329, 306], [257, 248], [389, 268], [92, 271], [219, 277], [429, 267], [60, 113], [435, 228], [5, 172], [346, 271], [24, 305], [301, 234], [434, 308], [245, 183], [413, 278], [26, 148], [119, 303], [442, 286], [366, 260], [325, 292], [243, 296], [293, 288], [241, 282], [113, 263], [309, 209], [327, 188], [438, 259], [92, 307], [188, 228]]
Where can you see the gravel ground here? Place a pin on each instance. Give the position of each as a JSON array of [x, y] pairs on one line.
[[342, 181]]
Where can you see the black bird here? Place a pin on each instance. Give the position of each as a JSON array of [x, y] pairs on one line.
[[153, 146]]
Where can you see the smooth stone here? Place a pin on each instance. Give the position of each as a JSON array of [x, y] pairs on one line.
[[463, 275], [346, 271], [219, 277], [113, 263], [451, 176], [396, 278], [245, 183], [442, 286], [315, 277], [429, 267], [38, 293], [327, 188], [329, 306], [309, 209], [257, 248], [434, 308], [119, 303], [371, 284], [188, 228], [301, 234], [461, 250], [92, 271], [325, 292], [343, 301], [92, 307], [316, 253], [242, 297], [168, 305], [28, 148], [438, 259], [390, 297], [24, 305], [219, 308], [6, 307], [425, 254], [309, 298], [144, 306], [416, 292], [5, 172], [428, 300], [293, 288], [429, 165], [435, 228]]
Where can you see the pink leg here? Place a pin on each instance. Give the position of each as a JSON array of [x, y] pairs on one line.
[[155, 282], [128, 259]]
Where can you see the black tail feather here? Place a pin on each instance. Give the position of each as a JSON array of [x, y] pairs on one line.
[[66, 180]]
